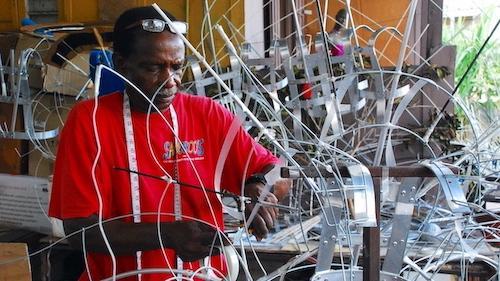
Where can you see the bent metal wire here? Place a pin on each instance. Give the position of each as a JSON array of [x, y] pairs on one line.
[[438, 215]]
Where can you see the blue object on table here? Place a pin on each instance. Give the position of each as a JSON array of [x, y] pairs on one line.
[[110, 82], [27, 21], [41, 31]]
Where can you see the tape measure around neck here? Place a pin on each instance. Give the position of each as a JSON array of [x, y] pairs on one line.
[[177, 187], [132, 163], [132, 159], [134, 178]]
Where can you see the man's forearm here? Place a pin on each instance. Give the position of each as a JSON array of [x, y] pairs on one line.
[[191, 240], [124, 238]]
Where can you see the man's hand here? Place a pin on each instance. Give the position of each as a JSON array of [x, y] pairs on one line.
[[266, 216], [191, 240]]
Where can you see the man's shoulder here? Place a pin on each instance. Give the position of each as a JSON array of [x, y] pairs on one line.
[[196, 103], [110, 102], [194, 99]]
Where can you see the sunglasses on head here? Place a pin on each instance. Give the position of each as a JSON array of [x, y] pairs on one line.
[[157, 25]]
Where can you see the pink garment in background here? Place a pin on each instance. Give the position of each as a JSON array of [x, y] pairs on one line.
[[337, 50]]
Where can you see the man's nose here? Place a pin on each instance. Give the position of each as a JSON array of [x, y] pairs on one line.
[[169, 78], [170, 82]]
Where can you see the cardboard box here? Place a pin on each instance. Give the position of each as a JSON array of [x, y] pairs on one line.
[[70, 79], [50, 111]]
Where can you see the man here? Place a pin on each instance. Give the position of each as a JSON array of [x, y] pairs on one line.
[[192, 140]]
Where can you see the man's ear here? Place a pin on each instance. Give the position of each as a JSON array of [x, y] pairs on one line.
[[119, 62]]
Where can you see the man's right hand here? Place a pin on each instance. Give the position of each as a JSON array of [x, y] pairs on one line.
[[192, 240]]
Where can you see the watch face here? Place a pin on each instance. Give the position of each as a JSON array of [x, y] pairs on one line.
[[256, 178]]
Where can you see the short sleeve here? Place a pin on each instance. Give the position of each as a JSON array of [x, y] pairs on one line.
[[244, 157], [73, 194]]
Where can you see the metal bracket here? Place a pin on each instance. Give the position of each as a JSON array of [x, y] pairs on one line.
[[403, 213], [328, 237], [450, 185], [364, 198], [352, 275]]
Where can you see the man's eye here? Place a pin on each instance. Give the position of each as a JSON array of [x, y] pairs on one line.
[[177, 67]]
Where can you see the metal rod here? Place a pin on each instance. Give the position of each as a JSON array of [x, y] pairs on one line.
[[171, 180], [2, 78], [326, 49], [469, 67], [222, 193], [13, 90], [212, 41], [299, 37], [375, 172]]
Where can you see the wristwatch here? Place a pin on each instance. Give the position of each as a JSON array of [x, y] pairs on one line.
[[256, 178]]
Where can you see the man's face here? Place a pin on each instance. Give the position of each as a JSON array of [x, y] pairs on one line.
[[154, 67]]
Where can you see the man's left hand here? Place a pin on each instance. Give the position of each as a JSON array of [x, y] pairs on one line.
[[266, 216]]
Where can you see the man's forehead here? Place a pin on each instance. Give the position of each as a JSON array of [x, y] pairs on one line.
[[150, 39], [151, 44]]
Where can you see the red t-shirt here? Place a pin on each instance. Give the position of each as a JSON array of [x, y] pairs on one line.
[[203, 126]]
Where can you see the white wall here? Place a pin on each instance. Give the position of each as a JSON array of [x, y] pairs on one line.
[[254, 26]]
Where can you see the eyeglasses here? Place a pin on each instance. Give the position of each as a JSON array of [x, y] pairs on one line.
[[157, 25]]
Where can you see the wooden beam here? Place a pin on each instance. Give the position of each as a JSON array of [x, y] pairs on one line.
[[375, 172], [371, 242], [14, 262]]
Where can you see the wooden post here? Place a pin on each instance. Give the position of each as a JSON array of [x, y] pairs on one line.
[[371, 241]]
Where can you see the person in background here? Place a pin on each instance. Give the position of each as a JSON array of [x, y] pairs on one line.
[[336, 47]]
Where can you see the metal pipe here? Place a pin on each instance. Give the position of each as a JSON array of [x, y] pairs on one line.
[[2, 78], [299, 36], [13, 91], [386, 131]]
